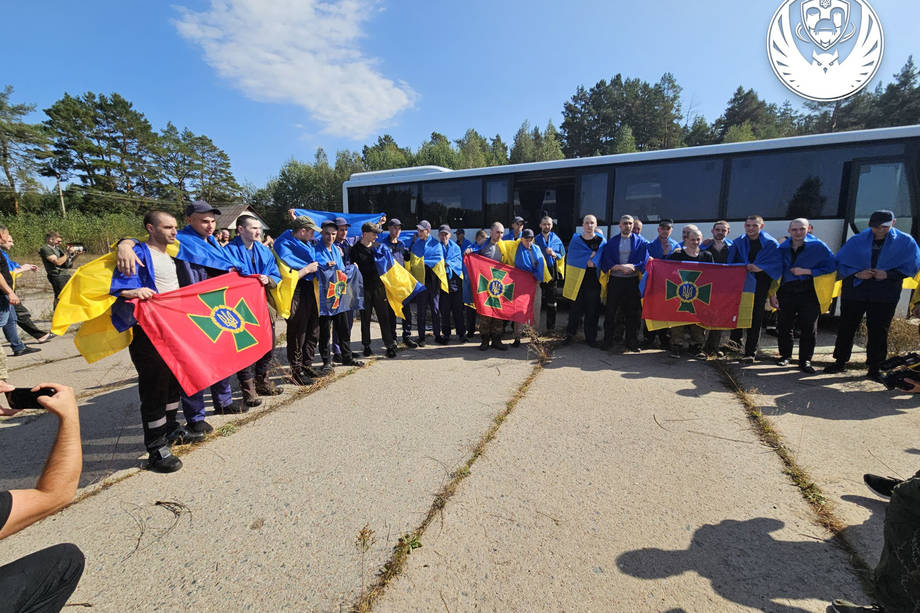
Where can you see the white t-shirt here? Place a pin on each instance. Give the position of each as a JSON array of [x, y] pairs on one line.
[[164, 271]]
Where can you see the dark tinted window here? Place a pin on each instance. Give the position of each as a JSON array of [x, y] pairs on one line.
[[790, 184], [498, 207], [457, 203], [592, 197], [684, 190], [399, 201]]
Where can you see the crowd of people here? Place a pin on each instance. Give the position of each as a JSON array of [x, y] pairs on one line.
[[602, 277]]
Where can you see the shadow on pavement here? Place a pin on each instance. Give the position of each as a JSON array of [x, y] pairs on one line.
[[744, 564]]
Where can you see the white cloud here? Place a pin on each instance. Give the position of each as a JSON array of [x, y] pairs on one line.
[[303, 52]]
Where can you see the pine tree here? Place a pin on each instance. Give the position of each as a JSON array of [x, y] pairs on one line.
[[20, 144]]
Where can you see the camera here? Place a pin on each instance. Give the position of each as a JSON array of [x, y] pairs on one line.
[[76, 248], [894, 370], [25, 398]]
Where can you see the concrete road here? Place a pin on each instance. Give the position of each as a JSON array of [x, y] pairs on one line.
[[618, 483]]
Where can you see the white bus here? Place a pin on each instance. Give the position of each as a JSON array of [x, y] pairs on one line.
[[835, 180]]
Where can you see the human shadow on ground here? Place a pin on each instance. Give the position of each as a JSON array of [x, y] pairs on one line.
[[746, 565], [838, 398]]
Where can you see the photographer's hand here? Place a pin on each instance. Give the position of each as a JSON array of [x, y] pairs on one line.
[[916, 386], [6, 387]]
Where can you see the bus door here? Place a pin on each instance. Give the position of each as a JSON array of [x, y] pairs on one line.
[[547, 195], [879, 184]]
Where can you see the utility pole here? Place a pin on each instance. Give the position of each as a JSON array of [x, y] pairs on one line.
[[61, 195]]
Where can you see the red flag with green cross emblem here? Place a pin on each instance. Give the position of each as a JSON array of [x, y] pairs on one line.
[[209, 330], [501, 291]]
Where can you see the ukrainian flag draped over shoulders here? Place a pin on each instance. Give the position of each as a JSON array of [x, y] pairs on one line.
[[899, 252], [552, 241], [291, 254], [401, 287], [818, 257], [532, 261], [576, 264], [428, 253]]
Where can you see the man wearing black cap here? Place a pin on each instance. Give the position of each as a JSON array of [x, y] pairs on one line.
[[400, 252], [452, 300], [296, 250], [872, 265], [514, 232], [375, 295]]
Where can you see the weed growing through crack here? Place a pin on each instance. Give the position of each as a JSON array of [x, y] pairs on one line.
[[227, 429], [366, 539]]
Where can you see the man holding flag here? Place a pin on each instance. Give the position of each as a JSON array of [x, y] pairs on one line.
[[427, 265], [529, 258], [364, 255], [201, 258], [624, 259], [583, 280], [400, 253], [256, 259], [760, 253], [554, 253], [329, 257], [490, 328], [156, 385], [294, 248], [872, 265], [805, 260]]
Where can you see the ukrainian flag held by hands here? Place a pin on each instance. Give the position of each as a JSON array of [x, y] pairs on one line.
[[679, 293], [428, 253], [576, 265], [401, 287]]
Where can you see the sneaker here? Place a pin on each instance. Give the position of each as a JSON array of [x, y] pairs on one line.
[[337, 358], [782, 361], [367, 352], [675, 353], [183, 436], [408, 342], [44, 339], [748, 359], [26, 351], [302, 378], [442, 340], [309, 371], [882, 486], [701, 355], [484, 346], [835, 367], [326, 369], [498, 344], [163, 461], [201, 427], [516, 343], [845, 606], [633, 350], [874, 375], [807, 368], [391, 351], [232, 409], [353, 362], [421, 341]]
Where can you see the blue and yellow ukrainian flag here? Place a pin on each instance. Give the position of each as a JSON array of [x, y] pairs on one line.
[[576, 265], [428, 253], [401, 287]]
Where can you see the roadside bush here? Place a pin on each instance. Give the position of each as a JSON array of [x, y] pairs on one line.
[[97, 232]]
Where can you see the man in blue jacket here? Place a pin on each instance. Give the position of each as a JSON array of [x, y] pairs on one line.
[[553, 251], [452, 300], [624, 259], [872, 265]]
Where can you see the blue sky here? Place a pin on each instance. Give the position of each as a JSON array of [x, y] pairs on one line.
[[268, 80]]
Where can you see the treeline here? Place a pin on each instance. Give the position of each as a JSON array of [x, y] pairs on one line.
[[113, 160]]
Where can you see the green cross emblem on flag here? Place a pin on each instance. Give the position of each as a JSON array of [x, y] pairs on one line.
[[496, 288], [688, 291], [225, 319]]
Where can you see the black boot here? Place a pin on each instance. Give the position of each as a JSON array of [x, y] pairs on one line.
[[250, 397]]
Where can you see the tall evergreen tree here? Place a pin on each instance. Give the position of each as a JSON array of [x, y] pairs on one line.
[[20, 144], [436, 151], [523, 148], [386, 154]]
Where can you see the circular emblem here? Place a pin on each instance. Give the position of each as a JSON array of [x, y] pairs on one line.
[[227, 319], [825, 50], [496, 288], [687, 292]]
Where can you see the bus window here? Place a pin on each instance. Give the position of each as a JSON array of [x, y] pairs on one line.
[[882, 185], [399, 200], [592, 197], [683, 190], [456, 203], [498, 208], [791, 184]]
